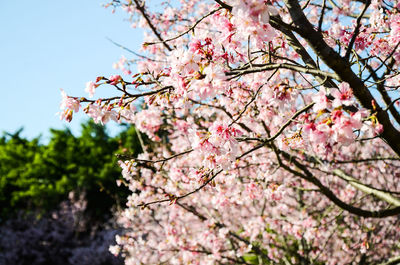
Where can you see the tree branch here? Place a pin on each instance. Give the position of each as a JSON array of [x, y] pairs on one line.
[[342, 68], [186, 31], [238, 72], [142, 10], [357, 30], [367, 189], [307, 175]]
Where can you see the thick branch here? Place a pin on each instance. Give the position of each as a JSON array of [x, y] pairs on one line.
[[307, 175], [366, 189], [392, 261], [343, 69], [277, 23]]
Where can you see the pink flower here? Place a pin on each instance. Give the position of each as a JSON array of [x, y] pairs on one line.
[[252, 17], [343, 131], [69, 102], [195, 46], [121, 64], [395, 28], [343, 96], [215, 73], [68, 105], [378, 128], [253, 190], [101, 114], [90, 88], [225, 132], [321, 100], [258, 11], [115, 79], [316, 135]]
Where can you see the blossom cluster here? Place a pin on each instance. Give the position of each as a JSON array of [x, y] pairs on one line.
[[266, 140]]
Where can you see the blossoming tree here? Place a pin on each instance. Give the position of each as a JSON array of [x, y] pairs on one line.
[[274, 128]]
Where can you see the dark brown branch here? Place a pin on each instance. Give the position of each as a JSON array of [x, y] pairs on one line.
[[385, 96], [309, 106], [177, 198], [192, 210], [222, 4], [357, 30], [186, 31], [129, 50], [142, 10], [242, 125], [342, 68], [302, 69], [278, 24], [205, 251], [321, 18], [154, 161]]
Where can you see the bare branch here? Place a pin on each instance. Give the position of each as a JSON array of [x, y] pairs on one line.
[[142, 10], [356, 30], [155, 161], [185, 32], [177, 198], [239, 72]]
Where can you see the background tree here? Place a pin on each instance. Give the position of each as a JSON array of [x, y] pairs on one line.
[[36, 176], [57, 200], [276, 132]]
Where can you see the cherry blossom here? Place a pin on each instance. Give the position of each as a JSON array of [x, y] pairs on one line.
[[90, 88], [343, 96], [68, 105], [269, 129]]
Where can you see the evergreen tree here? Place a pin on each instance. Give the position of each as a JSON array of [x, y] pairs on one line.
[[37, 176]]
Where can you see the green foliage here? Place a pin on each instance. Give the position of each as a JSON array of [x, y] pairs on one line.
[[291, 246], [35, 176], [251, 258]]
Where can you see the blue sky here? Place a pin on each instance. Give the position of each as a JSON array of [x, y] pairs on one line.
[[47, 45]]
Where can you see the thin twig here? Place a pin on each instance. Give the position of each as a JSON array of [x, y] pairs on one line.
[[183, 196], [357, 30], [185, 32], [142, 10]]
